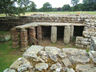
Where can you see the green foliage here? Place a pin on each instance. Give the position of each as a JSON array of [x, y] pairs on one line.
[[88, 1], [74, 2], [32, 7], [46, 7], [78, 7], [9, 7], [66, 7]]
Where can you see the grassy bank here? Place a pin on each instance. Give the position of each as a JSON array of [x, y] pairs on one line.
[[65, 12], [7, 55]]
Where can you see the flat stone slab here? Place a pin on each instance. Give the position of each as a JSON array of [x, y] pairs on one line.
[[92, 55], [74, 51], [32, 51], [85, 68], [34, 24], [41, 66], [53, 50]]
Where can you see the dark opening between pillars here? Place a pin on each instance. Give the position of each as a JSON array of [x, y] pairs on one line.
[[46, 32], [60, 32], [78, 30]]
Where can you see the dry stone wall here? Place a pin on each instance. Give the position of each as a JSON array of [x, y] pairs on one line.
[[88, 33], [6, 23]]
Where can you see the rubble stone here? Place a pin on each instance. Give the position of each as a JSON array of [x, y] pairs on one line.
[[83, 68], [66, 62], [41, 66], [73, 60], [21, 63], [9, 70], [56, 67]]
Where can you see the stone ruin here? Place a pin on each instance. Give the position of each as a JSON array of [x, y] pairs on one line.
[[53, 59], [54, 28]]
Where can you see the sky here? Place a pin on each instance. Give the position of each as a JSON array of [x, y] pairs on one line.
[[55, 3]]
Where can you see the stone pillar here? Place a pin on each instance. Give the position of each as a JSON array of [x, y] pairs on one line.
[[67, 34], [32, 36], [15, 38], [39, 33], [72, 32], [24, 38], [53, 34]]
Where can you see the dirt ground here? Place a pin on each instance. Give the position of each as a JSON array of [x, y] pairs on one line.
[[59, 44]]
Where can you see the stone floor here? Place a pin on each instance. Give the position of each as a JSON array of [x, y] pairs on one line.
[[53, 59]]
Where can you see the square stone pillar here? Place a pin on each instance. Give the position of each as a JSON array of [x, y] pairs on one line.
[[15, 38], [67, 34], [39, 33], [53, 34], [24, 38], [72, 32], [32, 36]]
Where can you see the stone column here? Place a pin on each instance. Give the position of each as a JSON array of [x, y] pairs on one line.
[[24, 38], [72, 32], [67, 34], [39, 33], [32, 35], [15, 38], [53, 34]]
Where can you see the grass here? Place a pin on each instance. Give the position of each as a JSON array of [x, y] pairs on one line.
[[2, 15], [65, 12], [7, 55], [3, 32]]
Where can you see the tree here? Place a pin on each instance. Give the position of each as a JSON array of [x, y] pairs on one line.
[[46, 7], [32, 7], [74, 2], [78, 7], [66, 7], [9, 7], [88, 1], [89, 5]]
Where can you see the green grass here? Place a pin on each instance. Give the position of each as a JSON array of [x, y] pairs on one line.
[[7, 55], [2, 15], [65, 12], [4, 32]]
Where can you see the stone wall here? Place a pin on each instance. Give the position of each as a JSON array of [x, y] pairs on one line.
[[89, 31], [6, 23]]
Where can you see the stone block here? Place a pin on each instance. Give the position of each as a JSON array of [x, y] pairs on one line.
[[93, 43]]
